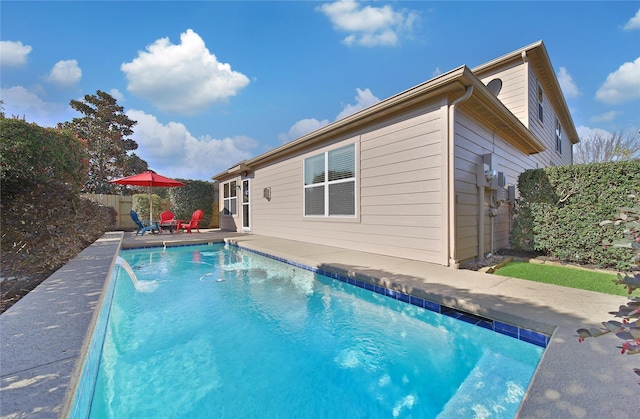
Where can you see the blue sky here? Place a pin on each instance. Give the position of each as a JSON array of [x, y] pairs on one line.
[[214, 83]]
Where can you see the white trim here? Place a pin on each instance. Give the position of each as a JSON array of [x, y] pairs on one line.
[[230, 198], [327, 183], [247, 204]]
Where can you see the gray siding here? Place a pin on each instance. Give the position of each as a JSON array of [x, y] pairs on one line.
[[546, 130], [520, 94], [472, 140]]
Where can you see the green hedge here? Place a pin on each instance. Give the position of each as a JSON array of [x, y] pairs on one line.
[[30, 153], [141, 205], [560, 208], [197, 194]]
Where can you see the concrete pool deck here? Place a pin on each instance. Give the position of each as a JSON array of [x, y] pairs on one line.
[[43, 334]]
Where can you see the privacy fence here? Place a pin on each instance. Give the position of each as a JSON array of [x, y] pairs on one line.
[[124, 204]]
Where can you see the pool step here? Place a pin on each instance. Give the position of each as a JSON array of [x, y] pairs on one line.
[[486, 392]]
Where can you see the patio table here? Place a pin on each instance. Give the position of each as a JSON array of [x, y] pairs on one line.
[[172, 226]]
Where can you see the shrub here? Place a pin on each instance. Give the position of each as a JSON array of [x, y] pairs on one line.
[[559, 209], [141, 206], [30, 153], [197, 194], [44, 221], [44, 225]]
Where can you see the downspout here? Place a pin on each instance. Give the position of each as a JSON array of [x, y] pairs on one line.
[[493, 226], [453, 258], [481, 224], [494, 204]]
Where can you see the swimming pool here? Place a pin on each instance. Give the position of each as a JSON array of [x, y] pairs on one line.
[[221, 332]]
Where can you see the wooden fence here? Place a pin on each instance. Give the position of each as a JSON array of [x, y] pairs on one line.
[[124, 204]]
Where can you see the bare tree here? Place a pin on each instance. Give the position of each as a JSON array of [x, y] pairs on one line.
[[600, 148]]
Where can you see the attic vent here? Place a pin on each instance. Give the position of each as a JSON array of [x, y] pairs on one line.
[[495, 86]]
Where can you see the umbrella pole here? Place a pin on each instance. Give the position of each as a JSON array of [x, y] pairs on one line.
[[150, 207]]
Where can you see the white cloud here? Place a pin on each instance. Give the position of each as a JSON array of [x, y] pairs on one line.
[[436, 72], [117, 95], [605, 117], [184, 78], [172, 151], [633, 23], [369, 26], [623, 85], [585, 133], [65, 73], [567, 84], [13, 53], [364, 98], [19, 102], [304, 126]]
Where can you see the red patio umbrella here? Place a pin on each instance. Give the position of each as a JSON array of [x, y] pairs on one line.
[[149, 179]]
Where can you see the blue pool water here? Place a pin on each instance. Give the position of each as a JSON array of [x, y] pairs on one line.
[[221, 332]]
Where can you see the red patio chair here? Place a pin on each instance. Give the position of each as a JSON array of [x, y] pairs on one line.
[[193, 223], [168, 221], [167, 216]]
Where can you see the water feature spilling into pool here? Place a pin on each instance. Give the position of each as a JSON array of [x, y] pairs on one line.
[[227, 333], [142, 286]]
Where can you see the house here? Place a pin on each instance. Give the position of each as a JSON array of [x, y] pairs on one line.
[[428, 174]]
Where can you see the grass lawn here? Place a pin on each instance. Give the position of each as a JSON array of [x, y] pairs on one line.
[[563, 276]]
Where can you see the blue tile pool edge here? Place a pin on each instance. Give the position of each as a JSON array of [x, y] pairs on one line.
[[520, 333], [516, 332], [87, 377]]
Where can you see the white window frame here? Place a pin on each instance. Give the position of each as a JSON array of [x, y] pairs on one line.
[[229, 197], [246, 205], [558, 136], [540, 104], [327, 183]]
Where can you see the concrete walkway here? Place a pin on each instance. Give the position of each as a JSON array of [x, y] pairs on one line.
[[42, 335]]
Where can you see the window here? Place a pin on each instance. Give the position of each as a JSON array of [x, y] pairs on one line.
[[230, 198], [558, 136], [245, 205], [330, 183], [540, 107]]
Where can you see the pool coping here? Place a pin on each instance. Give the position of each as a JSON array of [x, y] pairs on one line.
[[44, 336], [586, 380]]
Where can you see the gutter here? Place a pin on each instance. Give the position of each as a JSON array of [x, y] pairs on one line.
[[453, 259]]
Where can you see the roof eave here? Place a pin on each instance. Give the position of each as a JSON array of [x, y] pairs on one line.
[[235, 170], [526, 141], [564, 114]]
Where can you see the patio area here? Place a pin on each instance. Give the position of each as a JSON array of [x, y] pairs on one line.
[[43, 336]]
